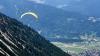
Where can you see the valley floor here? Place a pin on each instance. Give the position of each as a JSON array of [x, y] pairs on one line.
[[77, 47]]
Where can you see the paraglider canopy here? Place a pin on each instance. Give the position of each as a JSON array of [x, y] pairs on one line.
[[30, 13]]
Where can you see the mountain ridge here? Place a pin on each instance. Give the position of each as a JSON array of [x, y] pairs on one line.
[[17, 39]]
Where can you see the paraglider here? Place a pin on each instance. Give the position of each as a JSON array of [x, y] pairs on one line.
[[30, 13]]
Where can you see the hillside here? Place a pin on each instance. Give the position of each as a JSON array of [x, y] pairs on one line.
[[59, 19], [87, 7], [17, 39], [52, 21]]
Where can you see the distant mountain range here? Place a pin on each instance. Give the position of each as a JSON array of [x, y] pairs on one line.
[[17, 39], [87, 7]]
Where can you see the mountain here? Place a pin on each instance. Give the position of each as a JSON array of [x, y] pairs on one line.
[[86, 7], [53, 22], [48, 16], [17, 39]]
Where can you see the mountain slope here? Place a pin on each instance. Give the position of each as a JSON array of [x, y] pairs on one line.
[[64, 23], [48, 16], [87, 7], [17, 39]]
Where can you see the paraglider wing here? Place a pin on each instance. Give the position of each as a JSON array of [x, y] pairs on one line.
[[29, 13]]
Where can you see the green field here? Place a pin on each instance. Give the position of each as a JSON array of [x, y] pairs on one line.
[[76, 47]]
